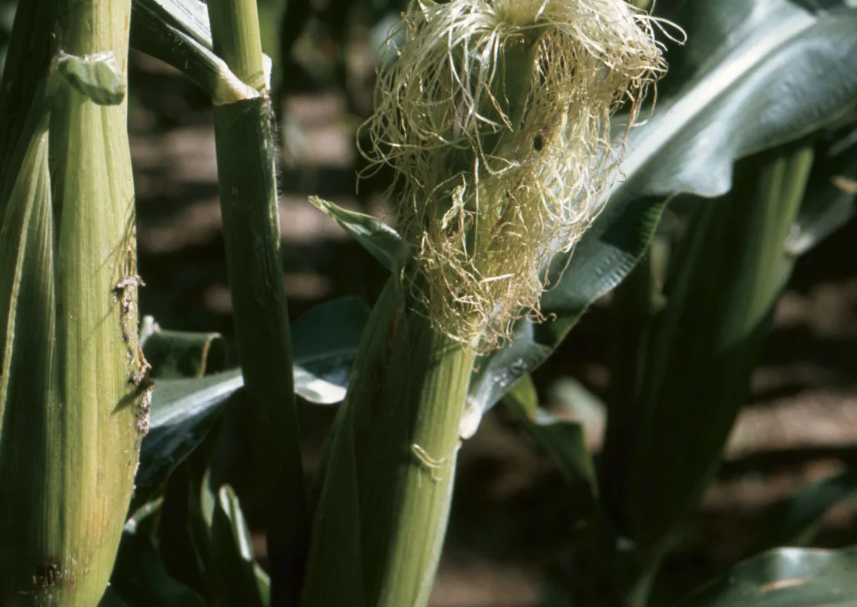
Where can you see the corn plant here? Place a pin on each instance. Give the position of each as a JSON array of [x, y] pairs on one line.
[[527, 186]]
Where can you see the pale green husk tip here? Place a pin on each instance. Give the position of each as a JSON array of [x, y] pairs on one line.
[[495, 115]]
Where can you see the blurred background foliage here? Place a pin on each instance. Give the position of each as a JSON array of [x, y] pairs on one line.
[[510, 523]]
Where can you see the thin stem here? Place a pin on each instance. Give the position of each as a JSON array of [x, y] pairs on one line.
[[237, 39]]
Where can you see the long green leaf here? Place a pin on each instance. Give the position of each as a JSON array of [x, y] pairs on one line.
[[183, 412], [324, 344], [697, 360], [606, 254]]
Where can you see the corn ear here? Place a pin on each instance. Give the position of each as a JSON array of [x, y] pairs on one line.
[[74, 381], [387, 484]]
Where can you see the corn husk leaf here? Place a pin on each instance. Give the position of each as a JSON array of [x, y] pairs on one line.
[[388, 470], [382, 241], [83, 406], [70, 441], [28, 296], [29, 495]]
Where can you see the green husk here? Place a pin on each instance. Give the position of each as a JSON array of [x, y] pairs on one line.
[[387, 484], [75, 390]]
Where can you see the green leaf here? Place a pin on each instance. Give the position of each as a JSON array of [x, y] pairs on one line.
[[382, 241], [831, 198], [177, 33], [30, 495], [596, 541], [183, 536], [188, 16], [562, 439], [263, 581], [324, 344], [232, 556], [731, 93], [696, 361], [796, 522], [183, 412], [738, 74], [176, 354], [140, 579], [96, 76], [789, 577]]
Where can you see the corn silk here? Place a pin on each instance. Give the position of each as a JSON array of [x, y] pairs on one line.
[[496, 117]]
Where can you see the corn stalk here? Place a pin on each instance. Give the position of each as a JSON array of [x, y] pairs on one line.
[[245, 139]]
